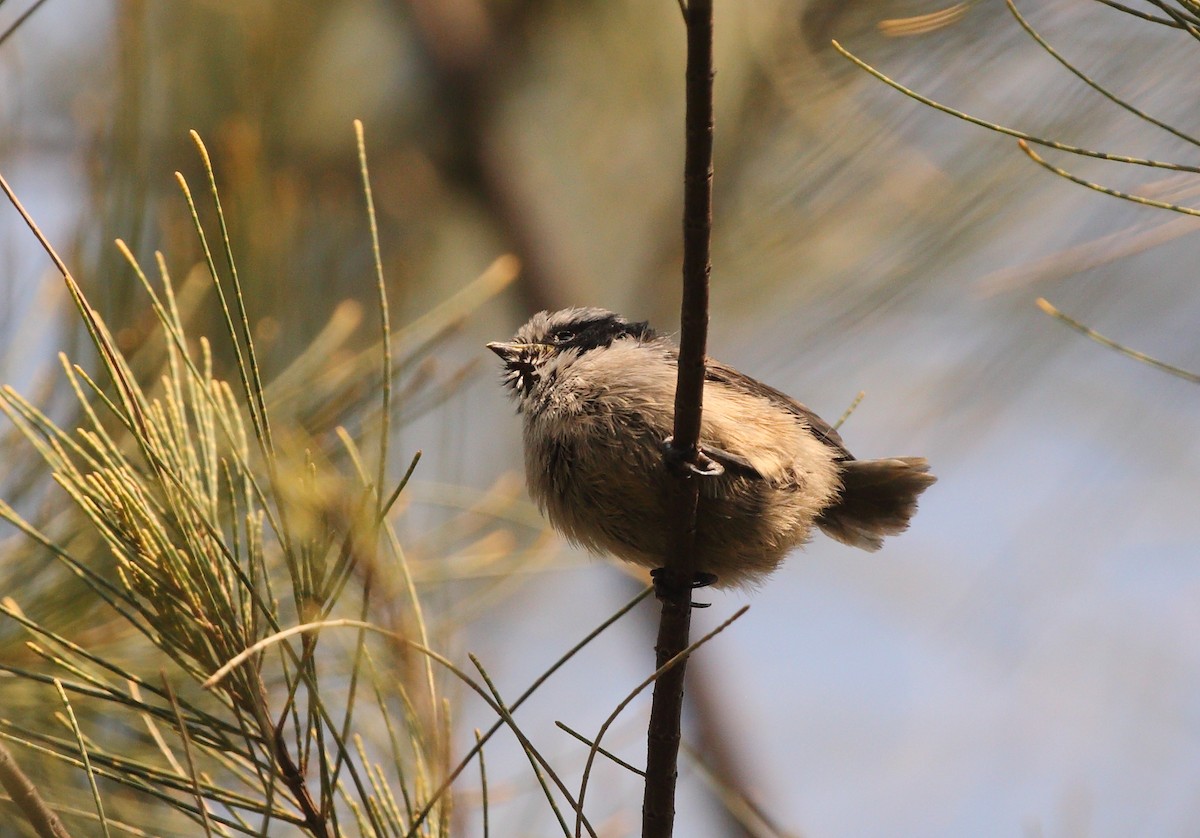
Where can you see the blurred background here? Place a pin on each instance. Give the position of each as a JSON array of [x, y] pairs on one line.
[[1022, 662]]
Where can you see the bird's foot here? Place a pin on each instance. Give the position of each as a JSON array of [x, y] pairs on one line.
[[699, 580], [683, 463]]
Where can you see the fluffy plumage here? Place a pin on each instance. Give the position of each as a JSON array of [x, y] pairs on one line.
[[596, 394]]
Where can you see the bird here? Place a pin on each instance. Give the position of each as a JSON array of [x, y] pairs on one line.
[[595, 392]]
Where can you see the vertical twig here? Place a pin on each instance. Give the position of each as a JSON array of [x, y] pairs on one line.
[[201, 803], [674, 581]]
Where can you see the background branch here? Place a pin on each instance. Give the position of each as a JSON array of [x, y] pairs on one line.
[[25, 795]]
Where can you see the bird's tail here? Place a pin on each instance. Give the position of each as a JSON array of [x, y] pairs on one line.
[[878, 498]]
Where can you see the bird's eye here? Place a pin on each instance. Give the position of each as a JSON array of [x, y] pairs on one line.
[[563, 336]]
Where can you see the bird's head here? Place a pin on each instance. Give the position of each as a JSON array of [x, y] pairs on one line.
[[552, 340]]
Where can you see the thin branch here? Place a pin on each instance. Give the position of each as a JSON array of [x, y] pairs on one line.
[[1186, 375], [697, 228], [1092, 83], [251, 375], [483, 785], [1099, 187], [541, 679], [26, 797], [862, 394], [611, 756], [385, 322], [201, 803], [1012, 132], [16, 24], [85, 756], [675, 580], [1121, 7], [656, 677], [535, 761], [505, 713], [1185, 21]]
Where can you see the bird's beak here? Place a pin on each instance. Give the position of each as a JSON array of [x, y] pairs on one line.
[[508, 352]]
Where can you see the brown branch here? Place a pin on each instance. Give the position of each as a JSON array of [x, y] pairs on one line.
[[25, 795], [293, 778], [675, 580]]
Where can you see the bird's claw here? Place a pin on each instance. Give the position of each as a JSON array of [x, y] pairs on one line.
[[694, 462], [699, 580]]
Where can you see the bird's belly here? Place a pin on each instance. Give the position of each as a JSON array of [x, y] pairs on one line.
[[613, 494]]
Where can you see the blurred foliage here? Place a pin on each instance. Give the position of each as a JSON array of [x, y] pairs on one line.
[[204, 518]]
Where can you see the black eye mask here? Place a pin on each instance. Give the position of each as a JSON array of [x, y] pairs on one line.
[[595, 334]]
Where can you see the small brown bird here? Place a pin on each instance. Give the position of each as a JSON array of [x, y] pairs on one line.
[[596, 393]]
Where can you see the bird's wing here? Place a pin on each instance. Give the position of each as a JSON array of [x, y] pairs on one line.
[[724, 374]]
